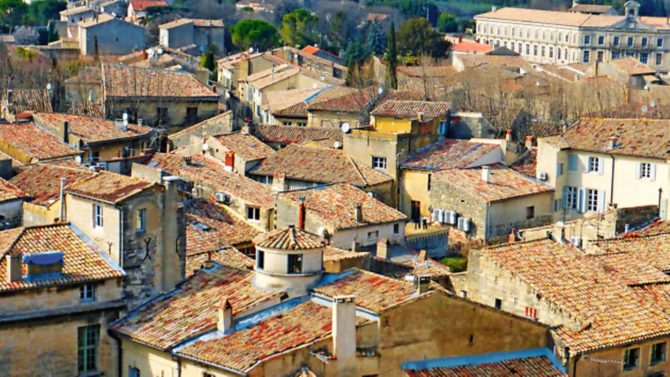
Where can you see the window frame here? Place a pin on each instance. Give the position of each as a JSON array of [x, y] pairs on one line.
[[530, 212], [379, 162], [260, 259], [626, 358], [98, 216], [645, 170], [141, 220], [88, 342], [652, 360], [253, 213], [592, 198], [594, 164], [87, 293], [295, 264]]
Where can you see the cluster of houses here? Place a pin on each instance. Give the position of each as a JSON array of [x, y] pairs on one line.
[[276, 222]]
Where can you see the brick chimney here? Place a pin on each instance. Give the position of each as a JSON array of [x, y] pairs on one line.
[[508, 135], [301, 214], [225, 320], [14, 268], [486, 174], [383, 248], [344, 328]]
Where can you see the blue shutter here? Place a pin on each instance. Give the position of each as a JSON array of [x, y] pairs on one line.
[[565, 196], [572, 162], [581, 193]]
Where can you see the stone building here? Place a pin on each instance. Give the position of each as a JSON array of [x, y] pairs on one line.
[[59, 293], [197, 34], [75, 15], [226, 322], [139, 223], [239, 151], [29, 144], [108, 35], [11, 204], [558, 37]]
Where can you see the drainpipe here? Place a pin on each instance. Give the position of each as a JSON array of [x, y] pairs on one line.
[[121, 224], [612, 182], [574, 368], [62, 199], [119, 352], [486, 226]]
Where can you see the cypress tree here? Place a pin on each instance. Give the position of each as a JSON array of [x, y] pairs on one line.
[[391, 60]]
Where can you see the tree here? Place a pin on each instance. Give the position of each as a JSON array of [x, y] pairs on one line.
[[447, 23], [416, 37], [356, 54], [376, 39], [299, 28], [254, 33], [207, 59], [41, 12], [12, 13], [391, 60]]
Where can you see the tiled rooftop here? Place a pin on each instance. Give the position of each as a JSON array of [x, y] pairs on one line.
[[246, 146], [652, 249], [635, 137], [503, 184], [35, 143], [227, 256], [29, 100], [632, 66], [139, 5], [109, 187], [295, 134], [411, 109], [289, 239], [334, 205], [42, 181], [210, 172], [91, 129], [123, 81], [212, 227], [304, 163], [272, 76], [609, 312], [8, 191], [291, 102], [527, 164], [82, 262], [191, 309], [590, 8], [448, 154], [342, 99]]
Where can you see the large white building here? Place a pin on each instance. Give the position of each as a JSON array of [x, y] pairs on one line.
[[556, 37]]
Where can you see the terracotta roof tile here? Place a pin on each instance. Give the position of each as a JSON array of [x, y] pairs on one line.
[[82, 262], [652, 249], [471, 47], [503, 184], [334, 206], [33, 100], [139, 5], [191, 309], [411, 109], [342, 99], [91, 129], [109, 187], [534, 366], [35, 143], [448, 154], [227, 256], [289, 239], [295, 134], [320, 165], [590, 8], [527, 164], [8, 191], [42, 181], [632, 66], [245, 145]]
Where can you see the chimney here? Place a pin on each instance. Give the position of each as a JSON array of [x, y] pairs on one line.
[[225, 321], [62, 200], [422, 284], [229, 160], [420, 117], [188, 160], [66, 132], [279, 182], [358, 212], [383, 248], [14, 268], [344, 327], [422, 256], [558, 233], [486, 174], [529, 141], [508, 135], [460, 39], [301, 213], [612, 142]]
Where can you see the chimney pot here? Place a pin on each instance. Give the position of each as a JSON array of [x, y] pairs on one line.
[[529, 141], [344, 327], [612, 142], [225, 322], [508, 135], [383, 248], [486, 174], [14, 268]]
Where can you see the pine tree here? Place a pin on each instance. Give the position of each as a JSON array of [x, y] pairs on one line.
[[376, 39], [391, 60]]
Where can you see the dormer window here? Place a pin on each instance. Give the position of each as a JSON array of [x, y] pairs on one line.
[[295, 263]]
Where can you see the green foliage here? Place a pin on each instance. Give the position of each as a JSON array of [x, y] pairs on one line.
[[447, 23], [12, 13], [41, 12], [25, 53], [416, 38], [52, 33], [299, 27], [248, 9], [254, 33], [208, 61], [455, 264], [376, 39], [355, 56], [391, 60]]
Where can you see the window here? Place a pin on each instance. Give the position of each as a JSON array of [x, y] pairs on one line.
[[87, 293], [535, 50], [644, 42], [644, 57], [659, 42], [587, 39], [87, 348], [542, 51], [140, 220], [95, 156], [530, 212], [527, 49], [396, 228], [378, 162], [302, 124], [599, 56], [592, 200], [285, 123], [571, 197], [205, 374], [498, 304], [295, 263], [646, 170], [429, 181], [587, 55], [133, 372], [97, 216], [657, 353], [551, 52], [594, 164], [253, 213], [260, 259], [556, 205], [601, 40], [616, 54], [559, 170], [558, 53], [373, 235], [162, 115], [442, 128], [630, 41], [464, 294], [631, 358], [615, 40], [659, 59]]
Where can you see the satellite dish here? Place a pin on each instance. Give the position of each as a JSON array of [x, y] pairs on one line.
[[345, 127], [337, 145], [125, 117], [78, 159], [251, 50], [159, 51]]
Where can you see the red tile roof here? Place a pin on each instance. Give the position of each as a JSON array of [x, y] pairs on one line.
[[8, 191], [472, 47], [527, 164], [35, 143], [42, 181], [289, 239], [109, 187], [295, 134], [31, 100], [82, 262], [448, 154], [191, 309], [503, 184], [91, 129], [228, 256], [333, 206], [342, 99], [139, 5], [411, 109], [246, 146], [538, 366], [304, 163]]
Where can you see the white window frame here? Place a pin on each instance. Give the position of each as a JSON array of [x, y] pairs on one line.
[[87, 293], [572, 201], [253, 213], [592, 197], [98, 216], [594, 164], [141, 220], [379, 162]]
